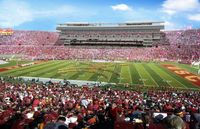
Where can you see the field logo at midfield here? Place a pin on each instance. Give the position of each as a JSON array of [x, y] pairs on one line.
[[94, 68], [195, 79]]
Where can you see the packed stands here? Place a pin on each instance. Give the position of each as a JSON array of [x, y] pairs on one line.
[[171, 53], [29, 38], [191, 36], [42, 45], [39, 105]]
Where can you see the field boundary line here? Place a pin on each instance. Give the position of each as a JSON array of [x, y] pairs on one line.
[[130, 74], [139, 74], [27, 71], [175, 78], [150, 76], [183, 76], [160, 76], [163, 78]]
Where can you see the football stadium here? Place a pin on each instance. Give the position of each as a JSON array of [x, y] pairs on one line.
[[100, 75]]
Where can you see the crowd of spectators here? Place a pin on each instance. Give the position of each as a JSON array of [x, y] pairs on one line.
[[189, 36], [37, 38], [37, 105], [183, 53], [184, 46]]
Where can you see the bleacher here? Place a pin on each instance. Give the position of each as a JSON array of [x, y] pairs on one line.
[[46, 45], [29, 38], [112, 34]]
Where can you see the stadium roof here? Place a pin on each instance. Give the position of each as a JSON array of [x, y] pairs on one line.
[[87, 24]]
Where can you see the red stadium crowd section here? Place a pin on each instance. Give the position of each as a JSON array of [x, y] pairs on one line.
[[36, 105], [184, 53], [29, 38], [191, 36], [184, 46]]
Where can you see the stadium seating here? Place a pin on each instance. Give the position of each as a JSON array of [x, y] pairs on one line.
[[189, 37], [184, 46], [40, 104], [171, 53], [29, 38], [93, 107]]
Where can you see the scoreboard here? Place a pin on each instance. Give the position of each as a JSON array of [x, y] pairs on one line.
[[6, 31]]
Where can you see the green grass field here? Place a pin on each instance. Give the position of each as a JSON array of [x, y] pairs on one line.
[[146, 74]]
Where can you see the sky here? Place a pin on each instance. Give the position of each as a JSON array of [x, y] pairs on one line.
[[46, 14]]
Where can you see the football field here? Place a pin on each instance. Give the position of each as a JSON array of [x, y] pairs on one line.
[[133, 73]]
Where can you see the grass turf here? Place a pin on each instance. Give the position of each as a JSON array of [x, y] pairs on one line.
[[146, 74]]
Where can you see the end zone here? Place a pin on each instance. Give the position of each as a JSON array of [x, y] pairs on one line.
[[195, 79]]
